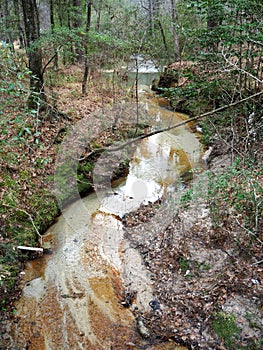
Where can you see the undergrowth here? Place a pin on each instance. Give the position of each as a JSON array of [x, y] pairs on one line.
[[27, 205], [237, 195]]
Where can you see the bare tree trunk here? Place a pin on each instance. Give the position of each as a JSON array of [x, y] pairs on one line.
[[6, 20], [76, 23], [52, 23], [34, 54], [19, 31], [69, 23], [98, 16], [86, 69], [176, 55], [156, 7], [164, 40], [151, 17], [60, 16]]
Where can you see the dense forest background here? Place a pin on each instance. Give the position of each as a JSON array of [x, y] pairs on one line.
[[52, 55]]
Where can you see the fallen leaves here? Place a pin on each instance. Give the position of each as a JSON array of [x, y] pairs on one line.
[[195, 274]]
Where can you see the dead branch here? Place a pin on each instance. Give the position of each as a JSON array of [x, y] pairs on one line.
[[30, 217], [256, 42], [22, 247], [214, 111], [239, 69]]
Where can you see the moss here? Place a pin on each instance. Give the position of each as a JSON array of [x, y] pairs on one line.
[[225, 327]]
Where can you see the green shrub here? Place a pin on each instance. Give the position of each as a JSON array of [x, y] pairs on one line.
[[237, 193]]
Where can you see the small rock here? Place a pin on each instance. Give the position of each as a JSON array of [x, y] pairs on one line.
[[143, 330], [154, 304]]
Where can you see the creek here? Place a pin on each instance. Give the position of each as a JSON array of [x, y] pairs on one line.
[[71, 297]]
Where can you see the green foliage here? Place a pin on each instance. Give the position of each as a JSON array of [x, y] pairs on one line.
[[9, 269], [187, 197], [84, 185], [86, 167], [62, 40], [200, 94], [84, 178], [237, 192], [231, 22], [14, 78], [225, 327], [184, 264]]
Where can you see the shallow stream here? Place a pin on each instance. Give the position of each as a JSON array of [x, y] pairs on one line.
[[71, 297]]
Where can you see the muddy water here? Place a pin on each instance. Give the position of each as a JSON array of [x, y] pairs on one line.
[[71, 298]]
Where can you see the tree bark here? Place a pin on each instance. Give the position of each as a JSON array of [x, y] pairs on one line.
[[86, 69], [164, 40], [19, 31], [76, 23], [6, 20], [34, 54], [52, 24], [151, 21], [176, 55], [98, 10]]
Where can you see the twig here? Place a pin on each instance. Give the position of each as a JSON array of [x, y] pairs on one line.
[[217, 110], [247, 230], [30, 217], [234, 65], [256, 42], [48, 63], [257, 262], [225, 142]]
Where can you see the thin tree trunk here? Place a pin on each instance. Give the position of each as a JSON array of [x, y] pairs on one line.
[[176, 54], [259, 70], [52, 23], [60, 17], [77, 22], [98, 16], [151, 19], [6, 21], [69, 23], [164, 40], [156, 8], [137, 96], [18, 23], [86, 62], [34, 54]]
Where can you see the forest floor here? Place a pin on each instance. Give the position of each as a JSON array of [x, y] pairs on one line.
[[207, 278], [208, 287]]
